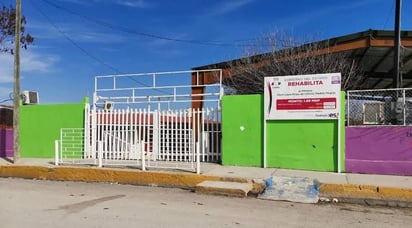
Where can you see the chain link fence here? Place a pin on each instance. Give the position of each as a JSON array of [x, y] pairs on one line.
[[379, 107]]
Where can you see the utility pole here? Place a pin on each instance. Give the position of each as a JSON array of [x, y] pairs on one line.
[[397, 80], [16, 91]]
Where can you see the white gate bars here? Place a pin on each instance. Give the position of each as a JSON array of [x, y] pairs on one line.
[[162, 139], [167, 138], [122, 127], [211, 135], [71, 146]]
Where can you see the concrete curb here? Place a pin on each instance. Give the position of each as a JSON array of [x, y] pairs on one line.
[[367, 194], [352, 193], [121, 176]]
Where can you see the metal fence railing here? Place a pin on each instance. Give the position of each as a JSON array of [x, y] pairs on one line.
[[379, 107], [71, 145], [160, 139]]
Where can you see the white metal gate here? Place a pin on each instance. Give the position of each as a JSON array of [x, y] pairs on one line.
[[167, 135], [122, 127], [164, 139]]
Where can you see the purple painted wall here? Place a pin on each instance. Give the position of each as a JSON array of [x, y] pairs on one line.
[[6, 142], [379, 150]]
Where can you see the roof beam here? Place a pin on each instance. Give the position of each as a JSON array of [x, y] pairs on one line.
[[406, 85], [373, 68], [389, 42], [382, 75], [363, 42], [376, 83], [340, 44], [407, 59]]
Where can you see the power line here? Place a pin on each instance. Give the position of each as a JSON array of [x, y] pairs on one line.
[[149, 35], [82, 49], [8, 99], [73, 42]]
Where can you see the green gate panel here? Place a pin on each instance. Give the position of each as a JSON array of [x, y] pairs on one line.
[[302, 144], [242, 130]]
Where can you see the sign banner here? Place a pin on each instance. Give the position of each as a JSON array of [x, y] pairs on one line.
[[315, 96]]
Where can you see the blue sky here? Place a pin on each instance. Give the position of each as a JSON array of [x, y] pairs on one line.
[[75, 40]]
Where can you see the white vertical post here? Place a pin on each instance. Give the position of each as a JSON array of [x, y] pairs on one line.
[[121, 134], [206, 129], [86, 131], [197, 158], [140, 129], [97, 120], [145, 136], [264, 143], [61, 145], [155, 135], [93, 139], [212, 135], [221, 90], [100, 154], [202, 114], [218, 134], [173, 129], [136, 133], [185, 132], [143, 155], [127, 130], [111, 133], [56, 152], [161, 135], [404, 106], [106, 146], [180, 135], [166, 133], [117, 133], [340, 116], [339, 143], [144, 128], [347, 107]]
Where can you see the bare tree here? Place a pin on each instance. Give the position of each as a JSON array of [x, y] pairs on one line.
[[279, 54]]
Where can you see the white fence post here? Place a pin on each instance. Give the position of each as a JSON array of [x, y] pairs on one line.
[[100, 154], [56, 152], [155, 134], [404, 107], [143, 156], [93, 133], [197, 151]]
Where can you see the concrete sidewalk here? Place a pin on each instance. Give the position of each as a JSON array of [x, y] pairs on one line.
[[387, 190], [337, 187]]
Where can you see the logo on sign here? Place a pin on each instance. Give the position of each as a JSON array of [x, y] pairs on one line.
[[335, 79]]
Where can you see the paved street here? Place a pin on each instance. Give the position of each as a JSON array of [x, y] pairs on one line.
[[37, 203]]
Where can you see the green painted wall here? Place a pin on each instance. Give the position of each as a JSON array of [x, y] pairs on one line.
[[302, 144], [40, 126], [293, 144], [242, 130]]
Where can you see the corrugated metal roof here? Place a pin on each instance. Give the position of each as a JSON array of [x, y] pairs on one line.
[[372, 48]]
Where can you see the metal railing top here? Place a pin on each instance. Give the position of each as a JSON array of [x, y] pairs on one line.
[[164, 88]]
